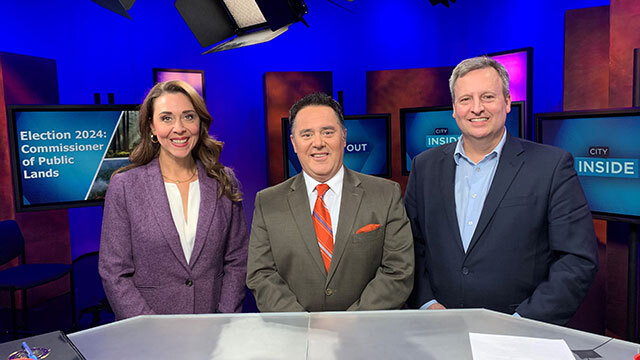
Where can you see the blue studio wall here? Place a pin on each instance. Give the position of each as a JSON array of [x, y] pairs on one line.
[[99, 51]]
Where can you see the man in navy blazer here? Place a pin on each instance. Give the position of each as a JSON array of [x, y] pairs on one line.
[[498, 222]]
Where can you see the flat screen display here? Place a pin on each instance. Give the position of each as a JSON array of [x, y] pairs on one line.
[[368, 145], [519, 65], [606, 149], [63, 155], [427, 127], [194, 78]]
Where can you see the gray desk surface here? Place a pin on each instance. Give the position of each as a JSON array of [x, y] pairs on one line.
[[401, 334]]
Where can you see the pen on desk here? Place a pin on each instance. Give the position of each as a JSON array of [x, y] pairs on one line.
[[28, 350]]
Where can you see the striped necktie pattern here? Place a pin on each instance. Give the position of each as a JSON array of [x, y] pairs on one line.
[[322, 225]]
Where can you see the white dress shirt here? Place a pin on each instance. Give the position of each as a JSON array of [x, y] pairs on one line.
[[186, 229]]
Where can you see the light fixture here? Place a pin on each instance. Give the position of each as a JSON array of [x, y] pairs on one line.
[[119, 7], [240, 22], [443, 2]]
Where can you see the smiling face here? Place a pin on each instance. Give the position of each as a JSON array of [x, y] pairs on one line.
[[176, 124], [480, 108], [319, 141]]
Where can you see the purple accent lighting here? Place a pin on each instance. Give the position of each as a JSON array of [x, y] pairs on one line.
[[516, 65], [192, 78]]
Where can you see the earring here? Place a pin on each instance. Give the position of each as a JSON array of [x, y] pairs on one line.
[[154, 139]]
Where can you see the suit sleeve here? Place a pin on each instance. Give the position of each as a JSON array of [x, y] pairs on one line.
[[393, 281], [116, 265], [413, 202], [271, 292], [235, 259], [574, 248]]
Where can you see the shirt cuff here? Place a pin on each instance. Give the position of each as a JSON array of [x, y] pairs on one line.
[[516, 314], [427, 304]]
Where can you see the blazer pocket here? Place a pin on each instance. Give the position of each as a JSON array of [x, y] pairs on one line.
[[367, 228], [367, 237], [146, 286], [518, 201]]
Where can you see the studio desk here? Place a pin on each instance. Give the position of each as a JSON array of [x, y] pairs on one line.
[[401, 334]]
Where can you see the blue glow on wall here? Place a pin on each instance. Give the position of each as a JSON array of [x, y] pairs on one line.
[[99, 51]]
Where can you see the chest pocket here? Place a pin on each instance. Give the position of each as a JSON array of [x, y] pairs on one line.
[[518, 201], [368, 237]]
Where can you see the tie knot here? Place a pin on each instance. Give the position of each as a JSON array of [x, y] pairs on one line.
[[322, 189]]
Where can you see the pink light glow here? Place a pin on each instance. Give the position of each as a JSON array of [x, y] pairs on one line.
[[516, 65], [193, 79]]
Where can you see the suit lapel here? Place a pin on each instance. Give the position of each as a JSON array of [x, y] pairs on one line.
[[157, 195], [448, 179], [301, 213], [351, 197], [510, 163], [208, 205]]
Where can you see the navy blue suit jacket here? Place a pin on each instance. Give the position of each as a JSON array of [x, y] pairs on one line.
[[534, 249]]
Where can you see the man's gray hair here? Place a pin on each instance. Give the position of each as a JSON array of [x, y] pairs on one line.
[[477, 63]]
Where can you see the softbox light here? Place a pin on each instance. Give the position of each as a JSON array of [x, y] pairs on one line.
[[246, 22]]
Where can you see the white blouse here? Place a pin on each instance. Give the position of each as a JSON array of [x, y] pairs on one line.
[[186, 230]]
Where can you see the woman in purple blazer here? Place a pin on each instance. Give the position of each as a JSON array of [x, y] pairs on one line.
[[174, 238]]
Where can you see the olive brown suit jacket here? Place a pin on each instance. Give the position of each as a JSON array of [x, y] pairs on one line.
[[370, 270]]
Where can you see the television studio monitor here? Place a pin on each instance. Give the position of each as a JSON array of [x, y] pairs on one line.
[[519, 64], [427, 127], [368, 145], [605, 147], [63, 155]]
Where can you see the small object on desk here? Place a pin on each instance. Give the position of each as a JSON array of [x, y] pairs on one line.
[[41, 346], [37, 352], [586, 354], [28, 350]]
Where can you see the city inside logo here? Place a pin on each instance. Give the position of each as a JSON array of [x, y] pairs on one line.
[[599, 163], [441, 136]]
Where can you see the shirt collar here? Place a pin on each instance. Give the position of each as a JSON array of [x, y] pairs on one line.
[[335, 183], [459, 152]]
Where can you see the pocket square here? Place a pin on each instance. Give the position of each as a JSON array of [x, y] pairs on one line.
[[367, 228]]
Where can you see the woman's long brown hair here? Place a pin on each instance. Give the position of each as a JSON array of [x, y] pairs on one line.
[[207, 150]]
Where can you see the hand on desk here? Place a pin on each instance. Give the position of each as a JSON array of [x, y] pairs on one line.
[[436, 306]]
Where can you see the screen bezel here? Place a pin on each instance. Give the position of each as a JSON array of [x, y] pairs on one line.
[[586, 114], [403, 131], [286, 141], [14, 152]]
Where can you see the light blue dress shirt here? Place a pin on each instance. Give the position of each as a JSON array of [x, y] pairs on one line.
[[472, 183]]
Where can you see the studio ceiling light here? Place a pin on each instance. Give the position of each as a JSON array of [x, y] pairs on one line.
[[245, 13], [239, 22]]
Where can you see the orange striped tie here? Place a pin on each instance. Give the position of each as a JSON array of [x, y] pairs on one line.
[[322, 224]]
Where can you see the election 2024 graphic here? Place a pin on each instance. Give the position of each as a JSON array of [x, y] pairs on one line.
[[60, 152]]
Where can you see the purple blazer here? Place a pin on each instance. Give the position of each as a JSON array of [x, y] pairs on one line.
[[142, 264]]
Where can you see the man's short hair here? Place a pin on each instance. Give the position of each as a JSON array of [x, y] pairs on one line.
[[317, 99], [477, 63]]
